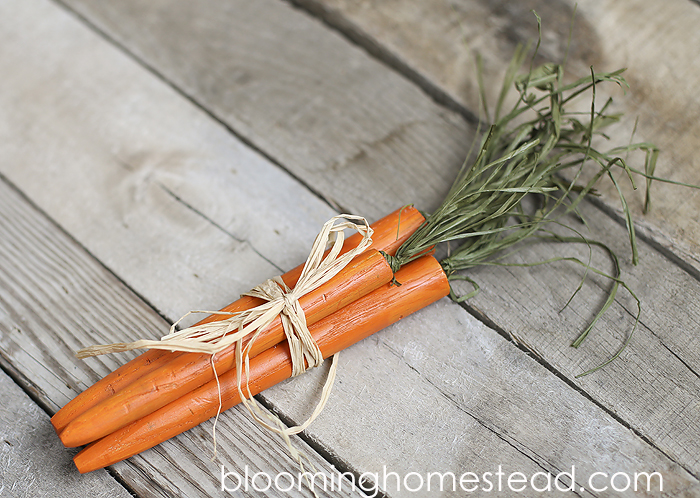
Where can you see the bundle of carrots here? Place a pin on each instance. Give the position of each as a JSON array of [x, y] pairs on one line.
[[161, 394], [535, 150]]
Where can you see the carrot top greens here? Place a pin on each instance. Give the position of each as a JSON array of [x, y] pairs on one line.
[[534, 154]]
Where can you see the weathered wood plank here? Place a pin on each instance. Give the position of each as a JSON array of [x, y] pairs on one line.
[[608, 37], [333, 116], [175, 477], [486, 431], [157, 166], [664, 405], [124, 24], [33, 462], [449, 32], [54, 298], [437, 43], [494, 387]]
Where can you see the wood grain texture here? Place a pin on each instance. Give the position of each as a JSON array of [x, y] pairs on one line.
[[155, 153], [428, 415], [480, 401], [655, 386], [436, 42], [32, 461], [333, 117], [511, 314], [54, 298]]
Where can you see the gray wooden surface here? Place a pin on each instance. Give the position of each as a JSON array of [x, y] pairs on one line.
[[157, 157]]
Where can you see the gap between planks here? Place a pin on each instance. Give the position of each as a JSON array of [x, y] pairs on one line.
[[61, 291], [356, 35], [196, 103], [306, 184], [553, 370]]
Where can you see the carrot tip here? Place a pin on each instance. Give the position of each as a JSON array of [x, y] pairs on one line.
[[70, 439], [85, 465]]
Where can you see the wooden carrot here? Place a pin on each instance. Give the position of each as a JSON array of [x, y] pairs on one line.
[[389, 233], [423, 282], [157, 388], [523, 154]]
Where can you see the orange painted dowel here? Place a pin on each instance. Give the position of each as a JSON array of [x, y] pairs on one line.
[[365, 273], [389, 233], [423, 282]]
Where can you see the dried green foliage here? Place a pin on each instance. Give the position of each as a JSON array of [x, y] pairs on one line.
[[536, 149]]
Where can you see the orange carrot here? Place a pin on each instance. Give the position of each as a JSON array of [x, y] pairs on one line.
[[423, 282], [510, 166], [365, 273], [389, 233]]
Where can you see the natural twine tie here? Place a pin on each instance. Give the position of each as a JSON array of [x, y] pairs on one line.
[[214, 337]]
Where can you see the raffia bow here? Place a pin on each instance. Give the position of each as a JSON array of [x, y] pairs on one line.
[[214, 337]]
